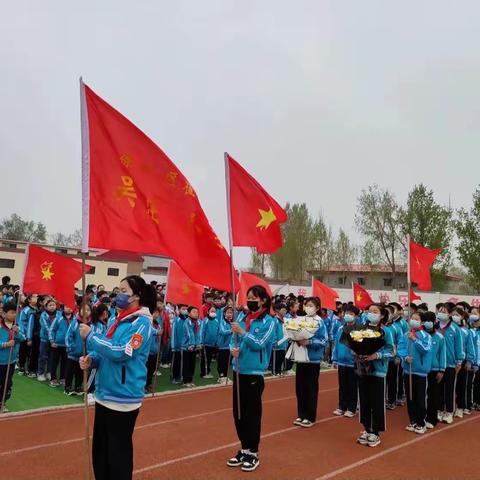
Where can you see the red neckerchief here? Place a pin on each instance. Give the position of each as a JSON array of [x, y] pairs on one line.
[[4, 325], [252, 316], [121, 316], [415, 330]]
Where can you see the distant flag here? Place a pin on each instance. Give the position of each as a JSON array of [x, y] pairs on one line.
[[182, 290], [361, 298], [421, 260], [248, 280], [414, 296], [328, 296]]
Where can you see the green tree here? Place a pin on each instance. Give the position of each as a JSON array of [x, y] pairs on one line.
[[370, 253], [15, 228], [71, 240], [345, 252], [256, 261], [324, 245]]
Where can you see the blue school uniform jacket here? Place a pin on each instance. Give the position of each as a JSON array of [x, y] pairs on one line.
[[439, 357], [255, 346], [396, 334], [155, 334], [58, 330], [280, 341], [121, 360], [24, 318], [183, 336], [341, 355], [224, 334], [453, 345], [4, 349], [208, 334], [316, 345], [45, 324], [468, 346], [420, 350], [73, 341]]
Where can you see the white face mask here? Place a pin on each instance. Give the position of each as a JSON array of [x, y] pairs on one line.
[[310, 311]]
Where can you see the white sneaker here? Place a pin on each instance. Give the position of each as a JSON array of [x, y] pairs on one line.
[[338, 412], [289, 373], [410, 428], [298, 422], [42, 378], [158, 373], [363, 438], [448, 418], [348, 414], [420, 430], [208, 376], [307, 423], [91, 398], [466, 411], [459, 413], [49, 376], [440, 416], [429, 425], [373, 440]]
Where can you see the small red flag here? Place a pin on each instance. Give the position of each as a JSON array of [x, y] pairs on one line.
[[255, 216], [327, 295], [49, 273], [414, 296], [180, 289], [361, 298], [248, 280], [136, 199], [421, 260]]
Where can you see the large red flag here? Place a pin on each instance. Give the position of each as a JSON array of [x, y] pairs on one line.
[[248, 280], [49, 273], [327, 295], [136, 199], [255, 215], [361, 298], [421, 260], [180, 289]]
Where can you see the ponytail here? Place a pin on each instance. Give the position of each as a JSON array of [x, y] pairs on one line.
[[146, 292]]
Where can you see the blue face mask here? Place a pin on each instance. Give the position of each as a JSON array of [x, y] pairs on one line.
[[473, 318], [373, 318], [415, 323], [428, 325], [442, 317], [122, 300], [349, 318]]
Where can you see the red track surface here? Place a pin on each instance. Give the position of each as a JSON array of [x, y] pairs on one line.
[[191, 435]]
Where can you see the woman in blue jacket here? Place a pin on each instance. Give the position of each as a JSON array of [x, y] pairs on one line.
[[223, 344], [207, 341], [371, 386], [57, 335], [28, 310], [120, 359]]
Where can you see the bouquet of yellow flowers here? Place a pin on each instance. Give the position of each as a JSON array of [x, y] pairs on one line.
[[297, 329]]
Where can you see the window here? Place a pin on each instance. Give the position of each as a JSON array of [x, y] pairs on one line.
[[9, 245], [361, 280], [91, 271], [63, 251], [113, 272], [341, 280], [387, 282], [7, 263]]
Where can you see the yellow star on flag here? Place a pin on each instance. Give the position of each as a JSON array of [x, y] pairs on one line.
[[185, 289], [359, 297], [46, 268], [267, 218]]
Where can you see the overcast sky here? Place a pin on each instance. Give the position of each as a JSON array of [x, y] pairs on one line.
[[317, 99]]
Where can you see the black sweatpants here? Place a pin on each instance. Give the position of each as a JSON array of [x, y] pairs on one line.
[[433, 398], [470, 377], [6, 381], [372, 403], [23, 356], [59, 357], [206, 353], [223, 359], [112, 446], [447, 390], [34, 353], [476, 388], [417, 408], [306, 388], [461, 389], [392, 382], [278, 361], [151, 367], [177, 366], [188, 365], [249, 424], [73, 376], [347, 389], [400, 383]]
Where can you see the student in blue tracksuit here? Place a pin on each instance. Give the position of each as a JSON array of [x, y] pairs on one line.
[[281, 343], [439, 361], [10, 338], [391, 379], [155, 334], [207, 341], [46, 319], [57, 335], [343, 360], [371, 386], [223, 343], [27, 311], [74, 345], [472, 331], [119, 357], [455, 355], [400, 317], [178, 340], [251, 348], [189, 346], [100, 317], [415, 350], [475, 322], [308, 373]]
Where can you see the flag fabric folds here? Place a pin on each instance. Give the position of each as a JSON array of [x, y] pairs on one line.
[[361, 298], [414, 296], [248, 280], [328, 296], [136, 199], [181, 289], [421, 260]]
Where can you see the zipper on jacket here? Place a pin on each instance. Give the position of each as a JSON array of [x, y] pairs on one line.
[[124, 374], [261, 357]]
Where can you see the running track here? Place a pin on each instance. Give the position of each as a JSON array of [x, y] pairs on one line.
[[190, 435]]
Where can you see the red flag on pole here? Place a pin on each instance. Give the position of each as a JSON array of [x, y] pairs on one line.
[[180, 289], [49, 273], [248, 280], [414, 296], [136, 199], [361, 298], [255, 215], [327, 295], [421, 260]]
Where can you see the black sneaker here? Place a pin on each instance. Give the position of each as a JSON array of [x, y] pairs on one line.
[[250, 463], [237, 460]]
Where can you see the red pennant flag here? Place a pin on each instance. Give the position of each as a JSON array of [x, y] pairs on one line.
[[327, 295], [49, 273], [248, 280], [180, 289], [361, 298], [421, 260], [136, 199], [414, 296], [255, 216]]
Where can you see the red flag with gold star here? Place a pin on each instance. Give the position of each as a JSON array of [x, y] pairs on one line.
[[136, 199], [255, 216], [49, 273], [421, 260], [182, 290], [361, 298], [248, 280], [328, 296]]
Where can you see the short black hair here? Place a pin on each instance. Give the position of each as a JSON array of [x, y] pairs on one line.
[[428, 317], [9, 307], [261, 292], [279, 305], [315, 300], [191, 308], [353, 309]]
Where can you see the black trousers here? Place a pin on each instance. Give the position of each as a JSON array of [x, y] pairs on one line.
[[461, 389], [476, 388], [417, 408], [73, 376], [447, 390], [188, 365], [223, 360], [112, 446], [34, 352], [249, 424], [392, 382], [278, 361], [372, 403], [206, 355], [433, 398], [151, 367], [6, 381], [347, 389], [470, 377], [23, 355], [400, 383], [59, 356], [177, 366], [306, 388]]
